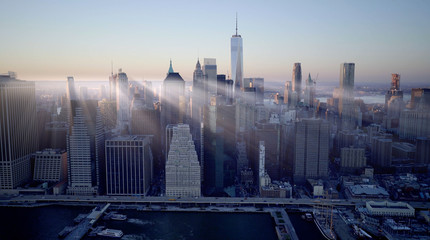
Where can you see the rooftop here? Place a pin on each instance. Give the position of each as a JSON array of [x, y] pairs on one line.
[[367, 190]]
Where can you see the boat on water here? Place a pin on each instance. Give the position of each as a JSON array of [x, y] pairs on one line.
[[361, 234], [111, 233], [115, 216], [118, 217], [326, 231], [324, 224]]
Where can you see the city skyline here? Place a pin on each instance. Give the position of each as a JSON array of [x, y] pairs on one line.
[[53, 41]]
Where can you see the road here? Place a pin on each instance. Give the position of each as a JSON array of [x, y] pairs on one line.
[[201, 201]]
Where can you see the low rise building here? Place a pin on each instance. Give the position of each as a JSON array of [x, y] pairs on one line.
[[363, 191], [277, 190]]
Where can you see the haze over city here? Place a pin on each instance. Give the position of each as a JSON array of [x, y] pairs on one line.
[[49, 40], [215, 120]]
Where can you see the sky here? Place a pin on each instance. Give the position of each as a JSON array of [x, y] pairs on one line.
[[50, 40]]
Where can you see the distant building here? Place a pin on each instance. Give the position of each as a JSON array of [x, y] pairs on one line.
[[54, 135], [381, 152], [311, 149], [247, 177], [270, 135], [297, 81], [309, 99], [287, 93], [122, 102], [403, 150], [211, 81], [414, 123], [172, 99], [129, 165], [236, 52], [346, 100], [18, 131], [258, 84], [50, 165], [394, 89], [352, 159], [423, 150], [108, 113], [182, 167]]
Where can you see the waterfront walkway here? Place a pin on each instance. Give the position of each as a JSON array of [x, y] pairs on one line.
[[284, 227]]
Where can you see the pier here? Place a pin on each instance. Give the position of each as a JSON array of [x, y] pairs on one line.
[[284, 228], [84, 226]]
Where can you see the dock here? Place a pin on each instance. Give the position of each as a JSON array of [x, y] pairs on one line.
[[85, 225]]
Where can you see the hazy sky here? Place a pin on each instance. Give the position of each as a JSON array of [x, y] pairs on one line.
[[49, 40]]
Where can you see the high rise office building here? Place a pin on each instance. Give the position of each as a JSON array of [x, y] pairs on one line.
[[197, 103], [423, 150], [50, 165], [346, 99], [288, 89], [85, 148], [394, 91], [258, 84], [182, 167], [237, 61], [71, 91], [108, 113], [122, 102], [310, 92], [297, 80], [219, 144], [112, 86], [270, 134], [210, 73], [311, 149], [172, 102], [18, 131], [145, 120], [129, 165]]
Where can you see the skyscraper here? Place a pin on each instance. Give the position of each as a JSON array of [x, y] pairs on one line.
[[346, 100], [297, 80], [112, 86], [122, 102], [182, 167], [311, 149], [129, 165], [210, 73], [18, 131], [309, 92], [237, 61], [197, 102], [85, 148], [394, 91], [172, 101], [71, 91]]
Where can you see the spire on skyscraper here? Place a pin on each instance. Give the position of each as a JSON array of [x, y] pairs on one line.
[[170, 68], [236, 23], [198, 66]]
